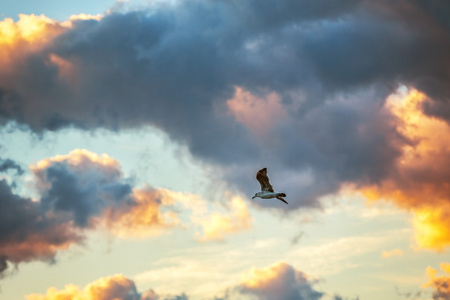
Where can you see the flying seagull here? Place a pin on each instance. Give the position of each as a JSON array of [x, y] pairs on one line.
[[266, 188]]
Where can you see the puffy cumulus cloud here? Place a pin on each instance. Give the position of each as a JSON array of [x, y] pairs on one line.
[[116, 287], [30, 29], [82, 184], [279, 281], [216, 225], [324, 72], [91, 187], [31, 34], [419, 181], [439, 284], [78, 191]]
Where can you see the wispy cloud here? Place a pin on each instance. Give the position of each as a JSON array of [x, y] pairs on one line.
[[335, 255], [390, 253]]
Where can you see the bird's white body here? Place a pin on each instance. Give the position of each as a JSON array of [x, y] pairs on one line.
[[267, 195]]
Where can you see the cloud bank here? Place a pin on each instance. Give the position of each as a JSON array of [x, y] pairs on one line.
[[325, 72], [279, 281]]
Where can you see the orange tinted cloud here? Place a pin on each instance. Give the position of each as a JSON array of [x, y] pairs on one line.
[[107, 288], [18, 39], [30, 34], [30, 29], [40, 244], [144, 216], [432, 226], [439, 284], [420, 180], [33, 233], [80, 159], [35, 30]]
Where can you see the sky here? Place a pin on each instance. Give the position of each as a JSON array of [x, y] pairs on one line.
[[132, 131]]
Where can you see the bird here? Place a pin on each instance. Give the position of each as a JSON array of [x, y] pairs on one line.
[[266, 188]]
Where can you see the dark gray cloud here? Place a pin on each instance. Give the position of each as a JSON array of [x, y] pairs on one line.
[[70, 192], [29, 233], [333, 65], [8, 164]]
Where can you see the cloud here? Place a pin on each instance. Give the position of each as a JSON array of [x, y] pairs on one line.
[[82, 184], [114, 287], [419, 180], [279, 281], [325, 72], [333, 256], [79, 191], [8, 164], [394, 252], [439, 284], [29, 233], [144, 216], [257, 114]]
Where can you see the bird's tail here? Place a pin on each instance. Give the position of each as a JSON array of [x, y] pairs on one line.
[[279, 197]]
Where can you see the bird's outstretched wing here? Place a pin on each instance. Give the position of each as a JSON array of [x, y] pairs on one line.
[[263, 180]]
